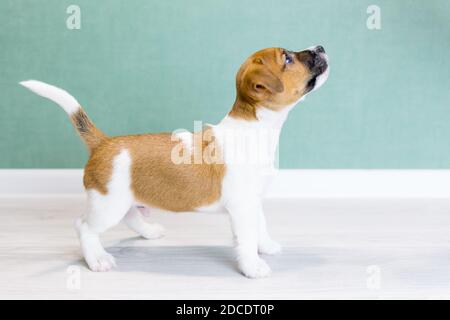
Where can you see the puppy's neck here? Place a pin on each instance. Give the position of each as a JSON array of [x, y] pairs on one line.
[[243, 110], [258, 116], [272, 119]]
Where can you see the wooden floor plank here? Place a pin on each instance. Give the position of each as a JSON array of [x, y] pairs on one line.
[[331, 249]]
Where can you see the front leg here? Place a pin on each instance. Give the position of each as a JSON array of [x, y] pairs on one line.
[[245, 216], [265, 243]]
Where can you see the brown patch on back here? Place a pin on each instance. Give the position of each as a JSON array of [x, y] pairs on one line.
[[156, 180]]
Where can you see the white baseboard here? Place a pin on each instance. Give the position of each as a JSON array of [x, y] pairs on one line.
[[287, 184]]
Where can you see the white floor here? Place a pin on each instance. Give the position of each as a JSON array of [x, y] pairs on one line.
[[332, 249]]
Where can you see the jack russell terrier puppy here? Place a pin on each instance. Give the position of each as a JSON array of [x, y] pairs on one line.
[[195, 171]]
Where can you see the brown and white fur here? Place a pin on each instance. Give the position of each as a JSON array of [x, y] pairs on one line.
[[126, 171]]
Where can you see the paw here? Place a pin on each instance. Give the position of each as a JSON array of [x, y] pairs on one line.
[[153, 231], [101, 263], [269, 247], [255, 268]]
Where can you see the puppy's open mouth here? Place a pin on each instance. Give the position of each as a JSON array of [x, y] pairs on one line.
[[313, 81]]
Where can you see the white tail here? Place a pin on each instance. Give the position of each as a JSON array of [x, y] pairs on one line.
[[57, 95]]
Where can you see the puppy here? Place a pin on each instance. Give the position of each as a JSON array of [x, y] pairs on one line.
[[196, 171]]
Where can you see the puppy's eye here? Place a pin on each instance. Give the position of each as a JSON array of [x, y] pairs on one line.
[[288, 59]]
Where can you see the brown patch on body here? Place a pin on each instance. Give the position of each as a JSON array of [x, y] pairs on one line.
[[265, 80], [156, 180]]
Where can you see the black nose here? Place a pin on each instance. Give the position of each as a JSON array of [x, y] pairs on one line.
[[320, 49]]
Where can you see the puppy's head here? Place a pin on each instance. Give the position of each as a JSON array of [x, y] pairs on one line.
[[275, 78]]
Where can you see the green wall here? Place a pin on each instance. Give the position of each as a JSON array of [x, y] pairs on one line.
[[147, 66]]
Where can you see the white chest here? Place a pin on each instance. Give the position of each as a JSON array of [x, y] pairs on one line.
[[250, 152]]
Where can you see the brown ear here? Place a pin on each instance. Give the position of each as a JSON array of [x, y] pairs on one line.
[[262, 79]]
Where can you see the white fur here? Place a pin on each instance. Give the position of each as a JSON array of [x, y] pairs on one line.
[[57, 95], [214, 207]]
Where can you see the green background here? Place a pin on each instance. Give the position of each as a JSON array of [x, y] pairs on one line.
[[148, 66]]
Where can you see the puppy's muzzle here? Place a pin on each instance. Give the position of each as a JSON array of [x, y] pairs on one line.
[[315, 59]]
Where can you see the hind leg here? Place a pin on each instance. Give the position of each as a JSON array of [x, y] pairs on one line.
[[134, 220], [93, 252], [103, 213]]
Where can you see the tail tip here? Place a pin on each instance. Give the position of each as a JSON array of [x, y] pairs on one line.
[[25, 83], [61, 97], [29, 83]]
